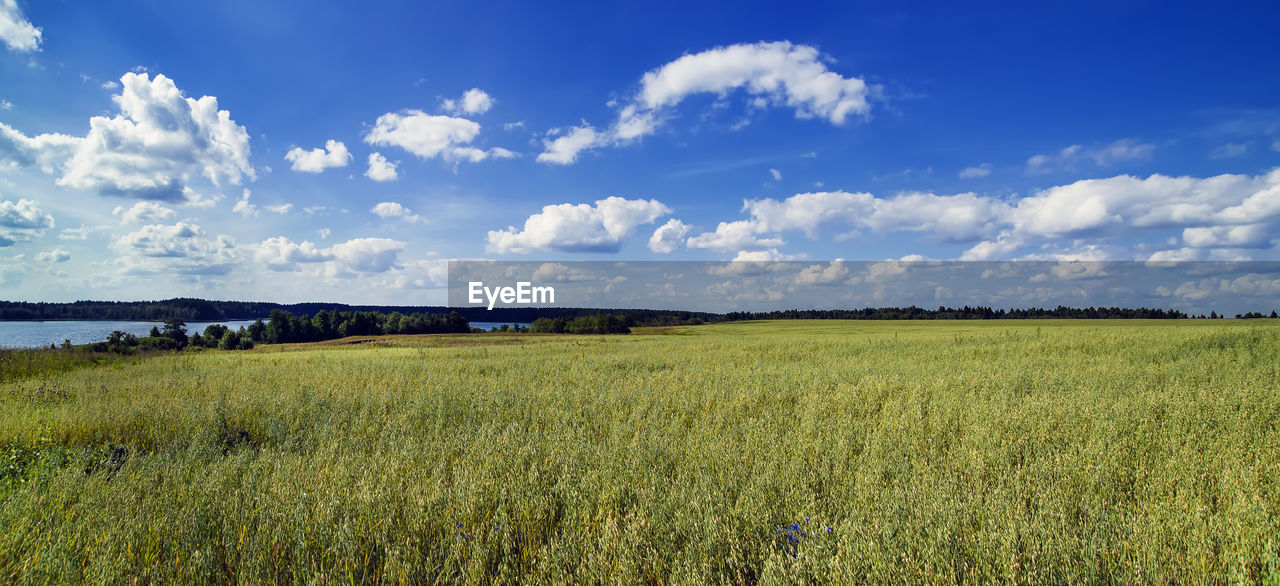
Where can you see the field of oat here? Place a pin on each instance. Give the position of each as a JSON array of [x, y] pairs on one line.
[[772, 452]]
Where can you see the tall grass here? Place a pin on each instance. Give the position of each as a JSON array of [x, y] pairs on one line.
[[765, 452]]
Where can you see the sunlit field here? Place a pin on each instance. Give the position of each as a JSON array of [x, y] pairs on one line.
[[774, 452]]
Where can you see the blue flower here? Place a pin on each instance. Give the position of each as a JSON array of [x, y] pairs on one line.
[[792, 539], [459, 526], [828, 530], [795, 526]]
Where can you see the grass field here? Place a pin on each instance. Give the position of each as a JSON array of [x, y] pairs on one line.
[[772, 452]]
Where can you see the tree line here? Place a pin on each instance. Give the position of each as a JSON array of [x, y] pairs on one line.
[[282, 328], [286, 328], [174, 336], [600, 323], [966, 312], [190, 309]]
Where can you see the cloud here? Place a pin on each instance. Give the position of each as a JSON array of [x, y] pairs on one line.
[[557, 272], [81, 233], [429, 136], [334, 154], [244, 208], [578, 227], [56, 255], [192, 199], [474, 101], [780, 73], [110, 84], [669, 236], [390, 209], [22, 221], [1230, 150], [808, 212], [1246, 236], [367, 255], [182, 248], [776, 174], [733, 236], [563, 150], [380, 169], [16, 31], [1234, 212], [764, 256], [1224, 210], [143, 212], [1125, 149], [343, 260], [982, 170], [281, 254], [24, 215], [157, 143], [281, 209], [777, 74], [948, 218], [834, 273], [48, 152]]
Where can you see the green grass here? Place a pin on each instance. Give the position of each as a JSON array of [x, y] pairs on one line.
[[1033, 452]]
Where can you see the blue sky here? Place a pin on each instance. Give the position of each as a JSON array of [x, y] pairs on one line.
[[223, 150]]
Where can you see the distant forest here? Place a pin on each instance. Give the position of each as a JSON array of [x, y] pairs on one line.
[[197, 310]]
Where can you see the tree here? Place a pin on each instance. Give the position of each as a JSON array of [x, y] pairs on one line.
[[258, 331], [176, 329], [213, 334]]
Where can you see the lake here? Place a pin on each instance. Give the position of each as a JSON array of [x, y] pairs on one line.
[[31, 334]]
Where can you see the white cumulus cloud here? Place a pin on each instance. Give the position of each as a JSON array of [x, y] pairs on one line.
[[473, 101], [181, 248], [776, 74], [429, 136], [56, 255], [578, 227], [16, 31], [669, 236], [143, 212], [343, 260], [243, 207], [564, 149], [367, 255], [21, 221], [334, 154], [380, 169], [48, 152], [281, 254], [157, 143], [390, 209]]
